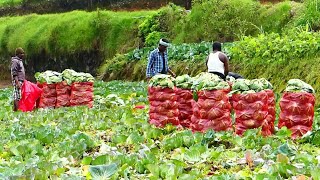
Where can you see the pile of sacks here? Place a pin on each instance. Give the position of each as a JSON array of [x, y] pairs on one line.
[[68, 88], [206, 102]]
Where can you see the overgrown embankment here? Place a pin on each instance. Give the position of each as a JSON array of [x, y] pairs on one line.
[[20, 7], [277, 57], [78, 40], [278, 42]]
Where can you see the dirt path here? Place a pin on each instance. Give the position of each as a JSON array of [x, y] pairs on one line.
[[4, 84]]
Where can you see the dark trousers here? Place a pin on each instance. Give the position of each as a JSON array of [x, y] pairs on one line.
[[222, 76]]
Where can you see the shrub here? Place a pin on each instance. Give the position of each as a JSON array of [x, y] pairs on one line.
[[161, 22], [153, 38]]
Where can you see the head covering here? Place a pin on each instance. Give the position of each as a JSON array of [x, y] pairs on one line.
[[161, 42], [19, 51]]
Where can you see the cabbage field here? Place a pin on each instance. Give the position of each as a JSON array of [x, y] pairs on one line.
[[114, 140]]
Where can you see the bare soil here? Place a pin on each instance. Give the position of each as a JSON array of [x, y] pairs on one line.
[[4, 84]]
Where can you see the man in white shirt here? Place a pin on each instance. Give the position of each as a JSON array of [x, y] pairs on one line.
[[218, 62]]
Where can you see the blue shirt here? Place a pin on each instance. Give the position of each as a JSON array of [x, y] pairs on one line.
[[155, 63]]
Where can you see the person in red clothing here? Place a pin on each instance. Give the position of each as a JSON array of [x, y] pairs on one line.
[[17, 75]]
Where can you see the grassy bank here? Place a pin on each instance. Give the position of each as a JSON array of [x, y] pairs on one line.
[[79, 40]]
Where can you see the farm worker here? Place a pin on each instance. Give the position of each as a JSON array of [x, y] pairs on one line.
[[17, 75], [218, 62], [158, 60]]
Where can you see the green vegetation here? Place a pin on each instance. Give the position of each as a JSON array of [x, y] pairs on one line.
[[83, 40], [6, 3], [18, 7], [279, 58], [267, 48], [114, 140], [72, 32], [215, 20], [310, 15], [276, 57], [276, 17], [79, 40]]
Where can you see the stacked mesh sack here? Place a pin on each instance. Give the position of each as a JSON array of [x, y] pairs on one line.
[[163, 101], [250, 101], [47, 82], [212, 109], [297, 108], [81, 87], [185, 100], [68, 88]]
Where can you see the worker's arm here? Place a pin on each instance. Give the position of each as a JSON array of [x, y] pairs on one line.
[[171, 72], [225, 61], [207, 62]]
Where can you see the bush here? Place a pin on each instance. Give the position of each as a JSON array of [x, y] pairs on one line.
[[161, 22], [153, 38]]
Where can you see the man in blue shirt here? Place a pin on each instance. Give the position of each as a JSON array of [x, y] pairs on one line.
[[158, 60]]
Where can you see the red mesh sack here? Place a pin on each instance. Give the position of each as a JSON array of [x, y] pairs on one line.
[[185, 101], [82, 86], [268, 125], [161, 94], [212, 111], [48, 97], [30, 93], [81, 94], [297, 112], [163, 106], [251, 110], [63, 94]]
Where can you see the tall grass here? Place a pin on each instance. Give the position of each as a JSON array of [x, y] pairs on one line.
[[278, 16], [223, 20], [310, 15]]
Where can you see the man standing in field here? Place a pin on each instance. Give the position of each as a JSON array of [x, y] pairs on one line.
[[158, 60], [18, 76], [218, 62]]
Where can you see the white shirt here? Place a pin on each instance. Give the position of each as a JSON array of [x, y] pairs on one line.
[[215, 64]]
